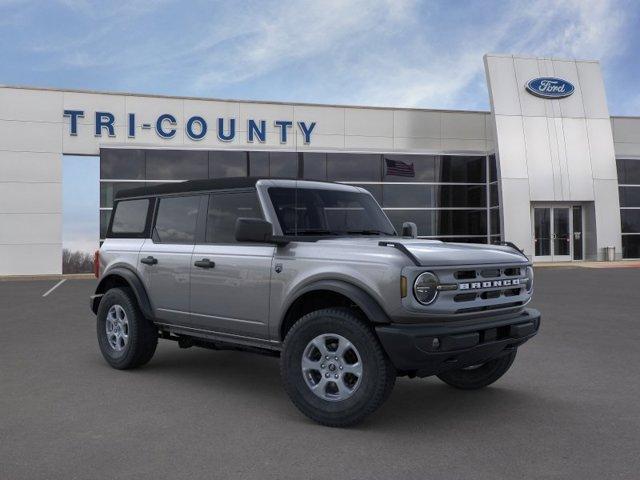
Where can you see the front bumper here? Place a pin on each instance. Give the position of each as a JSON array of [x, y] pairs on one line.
[[426, 350]]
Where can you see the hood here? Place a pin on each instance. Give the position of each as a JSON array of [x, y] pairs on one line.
[[437, 253], [444, 253]]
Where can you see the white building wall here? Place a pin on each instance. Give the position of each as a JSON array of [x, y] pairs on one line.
[[34, 135], [626, 136], [30, 182], [553, 150], [548, 150]]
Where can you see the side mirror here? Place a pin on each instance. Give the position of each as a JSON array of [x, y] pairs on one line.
[[253, 230], [409, 229]]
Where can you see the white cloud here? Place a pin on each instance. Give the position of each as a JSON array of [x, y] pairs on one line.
[[376, 52], [385, 53], [574, 30]]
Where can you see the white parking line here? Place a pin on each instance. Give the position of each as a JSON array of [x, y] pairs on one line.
[[54, 287]]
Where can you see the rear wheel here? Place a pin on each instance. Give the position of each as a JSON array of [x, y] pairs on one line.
[[479, 376], [126, 338], [334, 368]]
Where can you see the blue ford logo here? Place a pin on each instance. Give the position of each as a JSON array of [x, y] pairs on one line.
[[550, 87]]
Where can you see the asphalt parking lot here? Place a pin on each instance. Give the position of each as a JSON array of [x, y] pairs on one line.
[[569, 408]]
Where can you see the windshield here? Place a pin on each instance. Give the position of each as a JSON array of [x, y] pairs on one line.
[[310, 211]]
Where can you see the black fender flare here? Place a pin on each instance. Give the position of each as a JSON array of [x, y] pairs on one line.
[[365, 302], [134, 283]]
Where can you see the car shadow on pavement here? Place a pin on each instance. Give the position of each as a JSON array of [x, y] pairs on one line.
[[414, 403]]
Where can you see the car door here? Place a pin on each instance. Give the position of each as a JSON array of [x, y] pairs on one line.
[[165, 259], [230, 281]]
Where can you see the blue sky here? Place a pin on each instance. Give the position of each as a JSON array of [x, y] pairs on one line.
[[395, 52], [80, 203], [369, 52]]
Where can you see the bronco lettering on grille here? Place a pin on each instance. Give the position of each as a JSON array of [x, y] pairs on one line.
[[490, 284]]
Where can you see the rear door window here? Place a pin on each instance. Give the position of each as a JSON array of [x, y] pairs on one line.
[[176, 220], [130, 218], [225, 209]]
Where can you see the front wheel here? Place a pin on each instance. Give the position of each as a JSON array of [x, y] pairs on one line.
[[334, 368], [479, 376]]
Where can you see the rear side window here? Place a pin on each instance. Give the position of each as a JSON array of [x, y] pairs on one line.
[[130, 218], [176, 220], [225, 209]]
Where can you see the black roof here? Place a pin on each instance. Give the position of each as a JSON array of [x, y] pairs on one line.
[[188, 187]]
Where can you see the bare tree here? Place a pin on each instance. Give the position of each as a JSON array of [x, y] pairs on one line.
[[76, 262]]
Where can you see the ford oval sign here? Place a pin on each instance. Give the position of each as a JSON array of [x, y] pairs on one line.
[[550, 87]]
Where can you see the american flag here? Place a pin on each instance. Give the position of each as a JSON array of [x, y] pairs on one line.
[[399, 169]]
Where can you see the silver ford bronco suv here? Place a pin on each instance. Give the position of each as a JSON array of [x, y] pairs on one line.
[[316, 274]]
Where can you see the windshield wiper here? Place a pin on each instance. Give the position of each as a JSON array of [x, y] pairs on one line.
[[315, 231]]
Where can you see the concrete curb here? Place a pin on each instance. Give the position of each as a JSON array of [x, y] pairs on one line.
[[616, 264], [69, 276]]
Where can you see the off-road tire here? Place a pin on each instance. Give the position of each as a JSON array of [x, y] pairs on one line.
[[143, 335], [480, 377], [378, 377]]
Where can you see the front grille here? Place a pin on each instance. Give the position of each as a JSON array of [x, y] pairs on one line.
[[465, 274], [490, 273], [465, 297], [479, 289], [487, 295], [488, 288], [484, 308]]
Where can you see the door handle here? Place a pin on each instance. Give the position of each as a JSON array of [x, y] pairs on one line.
[[149, 260], [204, 263]]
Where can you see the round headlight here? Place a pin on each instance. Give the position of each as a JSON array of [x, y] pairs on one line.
[[425, 288], [529, 280]]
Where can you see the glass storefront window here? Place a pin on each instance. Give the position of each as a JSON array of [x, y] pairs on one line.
[[461, 169], [176, 165], [493, 168], [628, 171], [630, 221], [442, 222], [405, 196], [472, 196], [463, 239], [398, 217], [409, 168], [259, 164], [223, 164], [631, 246], [105, 216], [406, 183], [494, 215], [283, 164], [629, 196], [494, 198], [108, 191], [458, 222], [123, 164], [433, 196], [353, 167], [314, 166], [435, 168]]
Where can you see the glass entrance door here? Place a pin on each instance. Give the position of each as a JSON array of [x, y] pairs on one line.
[[542, 233], [561, 234], [553, 234]]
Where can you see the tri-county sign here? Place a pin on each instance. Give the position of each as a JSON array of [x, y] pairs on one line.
[[550, 87], [196, 127]]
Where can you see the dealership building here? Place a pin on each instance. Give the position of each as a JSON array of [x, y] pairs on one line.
[[547, 168]]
